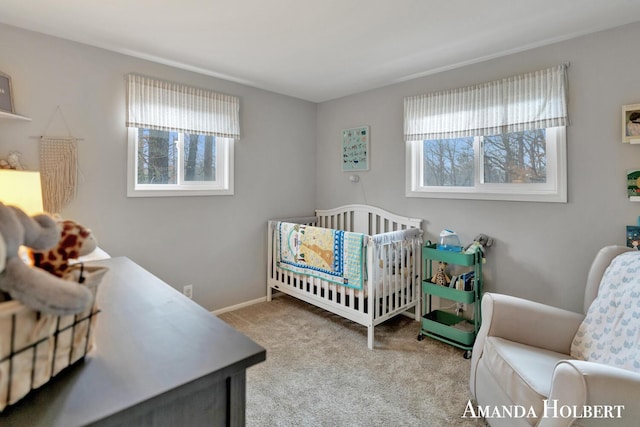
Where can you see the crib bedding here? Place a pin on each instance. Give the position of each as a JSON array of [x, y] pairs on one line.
[[393, 256], [337, 256], [333, 255]]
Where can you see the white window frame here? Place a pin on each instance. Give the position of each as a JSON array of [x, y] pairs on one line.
[[554, 190], [222, 186]]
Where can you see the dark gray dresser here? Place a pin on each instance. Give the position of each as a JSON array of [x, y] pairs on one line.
[[160, 360]]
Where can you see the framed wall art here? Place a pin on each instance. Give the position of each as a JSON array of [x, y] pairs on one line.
[[355, 149], [631, 123], [633, 185], [633, 237], [6, 99]]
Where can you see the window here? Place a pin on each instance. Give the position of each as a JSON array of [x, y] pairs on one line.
[[527, 166], [180, 139], [178, 163], [497, 141]]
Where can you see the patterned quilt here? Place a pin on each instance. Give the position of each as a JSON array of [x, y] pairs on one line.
[[333, 255]]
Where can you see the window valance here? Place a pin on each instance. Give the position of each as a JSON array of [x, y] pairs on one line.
[[534, 100], [162, 105]]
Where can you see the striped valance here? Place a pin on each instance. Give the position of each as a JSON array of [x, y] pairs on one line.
[[528, 101], [157, 104]]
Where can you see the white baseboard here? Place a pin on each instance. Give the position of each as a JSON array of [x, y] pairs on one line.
[[239, 306]]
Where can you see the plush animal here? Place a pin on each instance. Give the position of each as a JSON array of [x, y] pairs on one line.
[[75, 241], [34, 287], [441, 277], [14, 160], [481, 241]]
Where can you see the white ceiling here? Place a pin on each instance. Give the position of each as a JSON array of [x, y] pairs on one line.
[[317, 49]]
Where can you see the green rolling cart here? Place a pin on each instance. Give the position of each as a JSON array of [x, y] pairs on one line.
[[442, 325]]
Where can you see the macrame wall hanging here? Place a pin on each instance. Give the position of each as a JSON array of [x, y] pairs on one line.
[[58, 168]]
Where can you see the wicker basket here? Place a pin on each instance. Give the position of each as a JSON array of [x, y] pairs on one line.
[[34, 346]]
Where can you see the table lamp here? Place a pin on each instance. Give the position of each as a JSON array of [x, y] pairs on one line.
[[21, 189]]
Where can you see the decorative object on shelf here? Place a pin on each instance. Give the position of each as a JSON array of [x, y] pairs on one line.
[[58, 167], [355, 149], [631, 123], [6, 98], [12, 161], [633, 237], [633, 185]]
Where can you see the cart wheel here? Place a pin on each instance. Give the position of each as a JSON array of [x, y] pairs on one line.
[[467, 354], [420, 337]]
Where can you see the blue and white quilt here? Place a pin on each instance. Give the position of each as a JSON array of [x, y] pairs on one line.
[[336, 256]]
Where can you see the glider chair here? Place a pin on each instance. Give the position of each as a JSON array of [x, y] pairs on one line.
[[533, 364]]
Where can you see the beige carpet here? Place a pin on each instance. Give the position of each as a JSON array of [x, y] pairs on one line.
[[319, 371]]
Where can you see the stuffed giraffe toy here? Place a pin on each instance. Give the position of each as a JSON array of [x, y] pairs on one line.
[[441, 277], [75, 241]]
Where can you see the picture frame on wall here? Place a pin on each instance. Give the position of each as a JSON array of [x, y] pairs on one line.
[[6, 97], [631, 123], [355, 149], [633, 185], [633, 237]]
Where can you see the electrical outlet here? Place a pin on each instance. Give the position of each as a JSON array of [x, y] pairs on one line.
[[188, 291]]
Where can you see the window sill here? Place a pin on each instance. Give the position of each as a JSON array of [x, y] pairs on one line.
[[178, 193], [550, 197]]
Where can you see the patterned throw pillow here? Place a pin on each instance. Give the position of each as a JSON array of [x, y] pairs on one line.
[[610, 332]]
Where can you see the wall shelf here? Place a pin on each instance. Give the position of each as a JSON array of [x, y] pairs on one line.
[[7, 115]]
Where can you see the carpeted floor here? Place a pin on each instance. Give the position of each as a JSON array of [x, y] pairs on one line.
[[319, 371]]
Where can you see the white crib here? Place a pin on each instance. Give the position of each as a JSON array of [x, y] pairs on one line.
[[393, 263]]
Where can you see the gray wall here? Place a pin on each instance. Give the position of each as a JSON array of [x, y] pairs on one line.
[[218, 244], [542, 250]]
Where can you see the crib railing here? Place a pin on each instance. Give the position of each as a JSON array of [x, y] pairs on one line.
[[364, 219], [396, 282]]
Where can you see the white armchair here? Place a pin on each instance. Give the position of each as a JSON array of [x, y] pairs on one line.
[[522, 363]]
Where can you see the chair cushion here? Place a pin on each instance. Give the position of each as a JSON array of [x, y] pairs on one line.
[[523, 372], [610, 332]]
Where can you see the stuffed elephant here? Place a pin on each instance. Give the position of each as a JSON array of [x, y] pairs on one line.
[[34, 287]]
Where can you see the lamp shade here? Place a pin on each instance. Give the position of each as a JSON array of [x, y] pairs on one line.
[[21, 189]]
